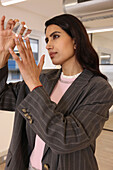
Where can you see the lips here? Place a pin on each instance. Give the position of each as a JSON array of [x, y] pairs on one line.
[[52, 54]]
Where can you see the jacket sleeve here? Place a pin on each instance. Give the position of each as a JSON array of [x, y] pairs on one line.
[[8, 92], [65, 134]]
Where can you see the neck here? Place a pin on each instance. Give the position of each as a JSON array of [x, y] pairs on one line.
[[72, 68]]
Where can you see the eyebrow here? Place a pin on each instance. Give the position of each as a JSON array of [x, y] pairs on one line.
[[52, 34]]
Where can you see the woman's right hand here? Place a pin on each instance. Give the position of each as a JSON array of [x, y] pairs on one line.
[[6, 40]]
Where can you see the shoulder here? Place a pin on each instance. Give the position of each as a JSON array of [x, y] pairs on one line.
[[95, 85], [100, 82], [94, 80], [101, 88]]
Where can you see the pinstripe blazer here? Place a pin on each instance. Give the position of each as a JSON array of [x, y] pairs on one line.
[[68, 128]]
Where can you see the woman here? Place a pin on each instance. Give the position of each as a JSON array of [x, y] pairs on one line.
[[59, 113]]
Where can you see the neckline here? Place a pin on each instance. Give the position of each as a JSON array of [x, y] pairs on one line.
[[68, 79]]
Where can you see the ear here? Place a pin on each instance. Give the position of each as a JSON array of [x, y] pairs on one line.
[[74, 44]]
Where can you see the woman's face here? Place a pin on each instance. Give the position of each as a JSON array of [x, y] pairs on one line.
[[60, 45]]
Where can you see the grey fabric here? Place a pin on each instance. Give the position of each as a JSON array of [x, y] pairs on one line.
[[69, 128], [31, 168]]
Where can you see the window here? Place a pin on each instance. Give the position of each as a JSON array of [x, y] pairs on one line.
[[15, 75], [105, 58]]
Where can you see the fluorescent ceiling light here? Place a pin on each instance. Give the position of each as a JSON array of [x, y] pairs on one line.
[[105, 56], [70, 4], [10, 2], [96, 30]]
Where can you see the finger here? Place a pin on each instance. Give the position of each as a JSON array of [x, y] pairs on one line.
[[30, 55], [28, 45], [41, 63], [23, 23], [27, 33], [22, 30], [14, 21], [9, 25], [29, 49], [16, 58], [21, 41], [2, 23], [20, 48]]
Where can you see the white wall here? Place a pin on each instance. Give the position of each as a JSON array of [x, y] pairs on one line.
[[6, 125], [32, 20]]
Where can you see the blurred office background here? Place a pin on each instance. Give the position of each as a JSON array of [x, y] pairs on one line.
[[97, 17]]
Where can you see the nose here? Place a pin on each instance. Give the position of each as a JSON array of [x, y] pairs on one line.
[[49, 45]]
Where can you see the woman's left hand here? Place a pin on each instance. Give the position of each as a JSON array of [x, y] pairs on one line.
[[27, 65]]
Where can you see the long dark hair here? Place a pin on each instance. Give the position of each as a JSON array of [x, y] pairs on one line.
[[85, 53]]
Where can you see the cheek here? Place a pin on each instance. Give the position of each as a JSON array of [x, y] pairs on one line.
[[68, 49]]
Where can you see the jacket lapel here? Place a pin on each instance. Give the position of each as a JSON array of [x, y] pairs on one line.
[[71, 96], [50, 79], [73, 93]]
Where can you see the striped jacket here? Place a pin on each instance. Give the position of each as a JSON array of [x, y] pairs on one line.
[[69, 128]]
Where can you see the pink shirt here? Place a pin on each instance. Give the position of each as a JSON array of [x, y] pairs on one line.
[[62, 85]]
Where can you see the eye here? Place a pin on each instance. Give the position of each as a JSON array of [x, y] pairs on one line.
[[46, 40], [55, 36]]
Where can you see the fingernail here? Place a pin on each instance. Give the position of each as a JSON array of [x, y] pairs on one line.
[[23, 23], [26, 38], [19, 36], [16, 20], [10, 49], [16, 39]]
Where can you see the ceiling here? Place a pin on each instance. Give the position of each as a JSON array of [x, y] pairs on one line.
[[50, 8], [45, 8]]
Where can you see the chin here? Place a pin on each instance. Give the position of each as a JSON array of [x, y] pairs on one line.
[[56, 62]]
